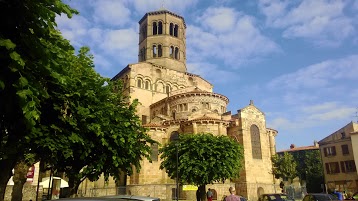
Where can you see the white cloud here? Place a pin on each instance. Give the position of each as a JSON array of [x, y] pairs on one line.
[[121, 39], [333, 114], [235, 43], [321, 20], [73, 29], [218, 19], [111, 12], [211, 73], [320, 107], [143, 6], [319, 75]]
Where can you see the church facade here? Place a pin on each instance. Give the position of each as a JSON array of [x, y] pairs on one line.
[[173, 101]]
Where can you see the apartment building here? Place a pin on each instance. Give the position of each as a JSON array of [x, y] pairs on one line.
[[340, 170]]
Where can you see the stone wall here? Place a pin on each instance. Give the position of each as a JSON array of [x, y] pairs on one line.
[[28, 193]]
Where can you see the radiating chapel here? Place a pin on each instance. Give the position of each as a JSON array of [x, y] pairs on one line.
[[174, 101]]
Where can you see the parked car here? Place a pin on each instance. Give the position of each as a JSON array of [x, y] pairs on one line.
[[319, 197], [275, 197]]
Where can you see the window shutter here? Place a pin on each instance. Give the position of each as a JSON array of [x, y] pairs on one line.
[[343, 166], [327, 169]]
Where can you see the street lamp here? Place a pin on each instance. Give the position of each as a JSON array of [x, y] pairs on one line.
[[175, 137]]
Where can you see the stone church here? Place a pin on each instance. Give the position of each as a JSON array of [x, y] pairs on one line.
[[174, 101]]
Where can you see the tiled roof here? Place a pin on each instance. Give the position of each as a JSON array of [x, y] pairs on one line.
[[300, 149]]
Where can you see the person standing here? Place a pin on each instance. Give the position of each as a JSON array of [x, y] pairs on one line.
[[232, 196], [209, 195]]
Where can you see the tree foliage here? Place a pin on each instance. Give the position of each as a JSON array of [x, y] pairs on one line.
[[55, 106], [284, 166], [203, 158], [310, 168], [31, 51]]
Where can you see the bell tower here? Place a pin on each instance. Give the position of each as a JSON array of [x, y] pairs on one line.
[[162, 40]]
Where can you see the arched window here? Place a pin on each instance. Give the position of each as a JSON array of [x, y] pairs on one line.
[[167, 89], [255, 142], [160, 51], [171, 52], [176, 30], [139, 83], [171, 29], [155, 28], [160, 27], [147, 84], [155, 51], [176, 53]]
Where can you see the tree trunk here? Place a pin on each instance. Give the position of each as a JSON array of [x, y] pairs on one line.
[[19, 178], [202, 191], [5, 174], [73, 185]]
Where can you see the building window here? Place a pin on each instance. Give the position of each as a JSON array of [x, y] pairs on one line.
[[155, 51], [176, 53], [155, 28], [160, 51], [329, 151], [147, 85], [167, 89], [154, 154], [139, 83], [345, 150], [176, 30], [171, 52], [173, 29], [348, 166], [160, 27], [255, 142], [332, 168]]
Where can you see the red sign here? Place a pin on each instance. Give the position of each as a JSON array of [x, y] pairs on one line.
[[30, 174]]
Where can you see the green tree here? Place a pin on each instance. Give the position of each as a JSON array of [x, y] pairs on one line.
[[54, 105], [309, 169], [106, 136], [203, 159], [314, 171], [284, 167], [30, 51]]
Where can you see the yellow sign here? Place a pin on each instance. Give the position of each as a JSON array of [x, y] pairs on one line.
[[189, 188]]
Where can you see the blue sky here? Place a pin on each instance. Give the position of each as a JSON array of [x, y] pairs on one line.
[[297, 59]]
